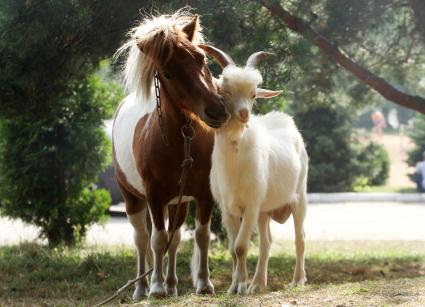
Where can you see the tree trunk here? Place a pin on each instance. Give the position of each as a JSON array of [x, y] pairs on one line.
[[331, 50]]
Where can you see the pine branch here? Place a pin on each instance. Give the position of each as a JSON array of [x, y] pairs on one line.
[[331, 50]]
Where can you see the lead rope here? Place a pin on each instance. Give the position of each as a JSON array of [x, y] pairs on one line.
[[188, 133]]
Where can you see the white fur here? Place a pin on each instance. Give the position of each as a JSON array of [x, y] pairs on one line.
[[254, 171], [129, 113]]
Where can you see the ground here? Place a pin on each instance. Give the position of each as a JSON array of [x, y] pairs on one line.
[[340, 273]]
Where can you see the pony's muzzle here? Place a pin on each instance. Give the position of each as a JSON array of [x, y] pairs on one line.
[[216, 115]]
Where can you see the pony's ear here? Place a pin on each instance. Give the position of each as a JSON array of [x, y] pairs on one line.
[[192, 27], [263, 93]]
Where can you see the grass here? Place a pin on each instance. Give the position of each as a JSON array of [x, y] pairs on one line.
[[339, 273], [386, 189]]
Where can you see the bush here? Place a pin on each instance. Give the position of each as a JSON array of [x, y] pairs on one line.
[[336, 163], [326, 132], [52, 145], [418, 137], [48, 163], [371, 164]]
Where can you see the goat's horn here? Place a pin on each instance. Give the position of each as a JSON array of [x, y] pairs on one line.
[[257, 57], [222, 58]]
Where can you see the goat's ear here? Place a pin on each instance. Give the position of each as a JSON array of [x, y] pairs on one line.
[[191, 28], [263, 93]]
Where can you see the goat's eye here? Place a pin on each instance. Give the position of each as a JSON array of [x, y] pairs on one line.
[[167, 75], [253, 96]]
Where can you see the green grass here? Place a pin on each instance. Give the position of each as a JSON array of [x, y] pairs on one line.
[[385, 189], [350, 273]]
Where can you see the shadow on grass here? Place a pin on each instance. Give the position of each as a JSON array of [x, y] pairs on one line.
[[37, 274]]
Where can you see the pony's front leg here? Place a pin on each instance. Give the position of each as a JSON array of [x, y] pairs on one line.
[[232, 224], [199, 263], [249, 219], [136, 210], [171, 279], [259, 281], [159, 241]]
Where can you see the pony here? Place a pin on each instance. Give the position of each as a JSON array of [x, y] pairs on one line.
[[148, 145]]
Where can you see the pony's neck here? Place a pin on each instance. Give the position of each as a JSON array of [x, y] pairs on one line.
[[172, 113]]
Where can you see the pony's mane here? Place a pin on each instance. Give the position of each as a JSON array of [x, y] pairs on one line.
[[160, 34]]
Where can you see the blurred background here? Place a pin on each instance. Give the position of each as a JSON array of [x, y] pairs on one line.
[[59, 87]]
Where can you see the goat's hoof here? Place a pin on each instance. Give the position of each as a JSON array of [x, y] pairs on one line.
[[171, 291], [256, 288], [204, 287], [242, 289], [157, 290], [140, 293]]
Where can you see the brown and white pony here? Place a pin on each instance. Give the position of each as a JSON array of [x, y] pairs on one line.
[[147, 170]]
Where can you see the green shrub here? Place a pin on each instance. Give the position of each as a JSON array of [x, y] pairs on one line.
[[371, 164], [337, 164], [418, 137], [48, 163]]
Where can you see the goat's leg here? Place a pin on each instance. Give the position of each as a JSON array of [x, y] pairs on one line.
[[259, 281], [249, 219], [232, 224], [298, 213], [199, 263], [171, 279]]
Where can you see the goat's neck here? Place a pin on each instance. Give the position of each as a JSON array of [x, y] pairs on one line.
[[232, 133]]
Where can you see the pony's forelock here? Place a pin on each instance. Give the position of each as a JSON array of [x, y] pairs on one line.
[[159, 34]]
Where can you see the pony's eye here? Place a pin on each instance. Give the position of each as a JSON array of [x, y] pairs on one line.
[[167, 75], [253, 96]]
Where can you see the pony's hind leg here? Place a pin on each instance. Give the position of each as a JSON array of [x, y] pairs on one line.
[[199, 263], [137, 215], [298, 213], [171, 278], [259, 281]]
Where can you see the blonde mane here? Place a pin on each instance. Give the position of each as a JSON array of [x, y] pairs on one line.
[[159, 34]]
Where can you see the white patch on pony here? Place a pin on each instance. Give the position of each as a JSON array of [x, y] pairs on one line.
[[185, 199], [130, 112]]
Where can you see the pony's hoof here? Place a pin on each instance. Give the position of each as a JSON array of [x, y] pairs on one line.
[[256, 288], [233, 288], [242, 289], [205, 287], [172, 291], [140, 293], [157, 291]]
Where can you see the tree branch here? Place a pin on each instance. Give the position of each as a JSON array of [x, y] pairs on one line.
[[331, 50]]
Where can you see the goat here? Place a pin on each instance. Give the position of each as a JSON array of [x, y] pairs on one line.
[[259, 171]]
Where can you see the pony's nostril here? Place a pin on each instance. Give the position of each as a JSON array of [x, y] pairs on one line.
[[211, 114]]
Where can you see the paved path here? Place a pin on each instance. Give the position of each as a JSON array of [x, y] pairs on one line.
[[338, 221]]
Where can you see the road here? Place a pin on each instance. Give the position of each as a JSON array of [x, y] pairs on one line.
[[343, 221]]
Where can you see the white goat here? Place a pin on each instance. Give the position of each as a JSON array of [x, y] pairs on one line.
[[258, 172]]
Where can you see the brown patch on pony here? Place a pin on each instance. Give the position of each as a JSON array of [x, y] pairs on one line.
[[281, 214]]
